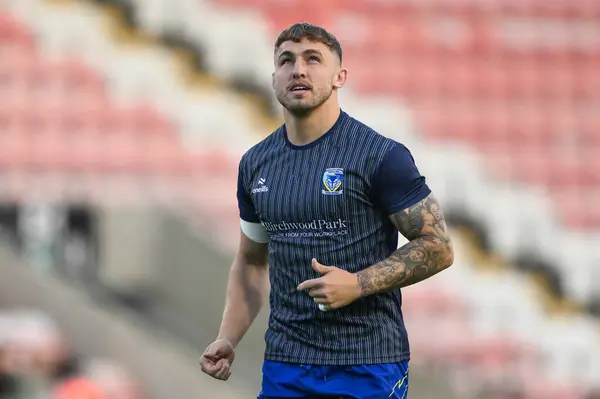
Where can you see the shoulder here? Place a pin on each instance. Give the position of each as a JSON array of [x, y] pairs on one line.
[[364, 134], [261, 150], [374, 145]]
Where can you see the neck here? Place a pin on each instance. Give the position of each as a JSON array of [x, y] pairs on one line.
[[306, 129]]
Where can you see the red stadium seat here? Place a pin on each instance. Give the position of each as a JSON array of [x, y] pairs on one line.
[[14, 150], [431, 301], [13, 32], [579, 207], [76, 76], [57, 118], [283, 15]]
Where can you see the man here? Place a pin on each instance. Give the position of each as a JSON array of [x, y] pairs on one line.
[[321, 201]]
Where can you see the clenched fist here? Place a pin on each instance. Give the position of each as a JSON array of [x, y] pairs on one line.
[[217, 359]]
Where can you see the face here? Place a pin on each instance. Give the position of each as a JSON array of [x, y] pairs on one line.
[[416, 255], [306, 74], [435, 211]]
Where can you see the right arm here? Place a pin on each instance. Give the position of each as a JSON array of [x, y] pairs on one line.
[[248, 283], [247, 288]]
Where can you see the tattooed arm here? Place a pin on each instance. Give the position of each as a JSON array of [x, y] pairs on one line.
[[428, 252]]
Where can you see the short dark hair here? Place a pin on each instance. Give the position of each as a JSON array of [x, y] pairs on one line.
[[314, 33]]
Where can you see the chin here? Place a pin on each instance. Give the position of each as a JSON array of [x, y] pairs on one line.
[[298, 107], [300, 110]]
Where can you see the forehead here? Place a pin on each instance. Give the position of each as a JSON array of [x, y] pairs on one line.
[[303, 46]]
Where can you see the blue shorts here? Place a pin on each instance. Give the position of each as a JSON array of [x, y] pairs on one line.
[[302, 381]]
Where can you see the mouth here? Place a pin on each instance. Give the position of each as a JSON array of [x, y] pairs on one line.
[[299, 88]]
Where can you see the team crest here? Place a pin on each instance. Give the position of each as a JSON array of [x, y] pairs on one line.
[[333, 179]]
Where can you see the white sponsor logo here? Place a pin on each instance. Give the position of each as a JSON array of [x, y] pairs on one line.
[[261, 186], [314, 228]]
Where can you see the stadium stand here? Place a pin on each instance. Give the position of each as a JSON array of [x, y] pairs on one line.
[[499, 101], [468, 80]]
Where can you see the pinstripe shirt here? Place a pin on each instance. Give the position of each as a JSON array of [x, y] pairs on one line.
[[330, 200]]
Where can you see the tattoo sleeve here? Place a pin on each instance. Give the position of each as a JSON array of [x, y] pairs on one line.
[[428, 252]]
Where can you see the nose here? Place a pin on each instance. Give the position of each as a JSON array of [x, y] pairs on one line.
[[299, 70]]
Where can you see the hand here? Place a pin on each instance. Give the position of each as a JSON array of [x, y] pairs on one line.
[[335, 289], [217, 359]]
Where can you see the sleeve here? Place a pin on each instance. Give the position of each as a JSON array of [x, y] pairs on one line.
[[398, 184], [245, 204], [249, 221]]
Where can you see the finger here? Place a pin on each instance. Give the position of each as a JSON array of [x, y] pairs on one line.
[[225, 375], [209, 368], [224, 349], [319, 268], [317, 293], [205, 361], [220, 375], [322, 301], [309, 284], [211, 356], [210, 352], [223, 369]]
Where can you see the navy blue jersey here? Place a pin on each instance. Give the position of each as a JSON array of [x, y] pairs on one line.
[[329, 200]]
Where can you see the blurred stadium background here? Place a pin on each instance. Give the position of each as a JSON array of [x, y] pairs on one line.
[[121, 125]]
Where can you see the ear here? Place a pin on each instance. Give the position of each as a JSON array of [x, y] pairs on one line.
[[273, 79], [340, 78]]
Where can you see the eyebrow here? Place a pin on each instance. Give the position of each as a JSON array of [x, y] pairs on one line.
[[288, 53]]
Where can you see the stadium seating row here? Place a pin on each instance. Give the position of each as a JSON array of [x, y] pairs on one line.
[[208, 120], [528, 8], [148, 9], [208, 117], [58, 120], [576, 112], [488, 98]]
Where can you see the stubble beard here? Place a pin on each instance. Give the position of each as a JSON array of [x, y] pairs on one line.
[[303, 107]]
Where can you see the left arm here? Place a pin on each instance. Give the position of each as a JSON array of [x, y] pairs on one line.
[[398, 190], [428, 252]]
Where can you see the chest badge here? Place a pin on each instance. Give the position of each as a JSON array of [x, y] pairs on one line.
[[333, 180]]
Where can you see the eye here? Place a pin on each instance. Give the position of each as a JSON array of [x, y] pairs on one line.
[[314, 58], [285, 61]]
